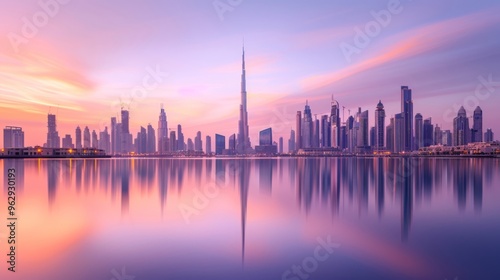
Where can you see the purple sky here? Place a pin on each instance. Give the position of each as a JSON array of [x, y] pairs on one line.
[[85, 58]]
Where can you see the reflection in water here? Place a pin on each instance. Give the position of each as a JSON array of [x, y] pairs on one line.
[[364, 203], [243, 183], [329, 182]]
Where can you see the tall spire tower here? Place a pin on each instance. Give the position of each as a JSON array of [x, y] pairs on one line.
[[243, 142]]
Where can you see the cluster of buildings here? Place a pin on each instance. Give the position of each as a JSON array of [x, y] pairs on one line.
[[405, 132], [330, 134]]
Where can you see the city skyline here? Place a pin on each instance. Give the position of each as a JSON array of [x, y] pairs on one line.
[[284, 67]]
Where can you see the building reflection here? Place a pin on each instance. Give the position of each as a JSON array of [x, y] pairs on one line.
[[331, 184]]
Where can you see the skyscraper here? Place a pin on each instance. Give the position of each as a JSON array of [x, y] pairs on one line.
[[162, 131], [78, 138], [13, 137], [208, 145], [488, 136], [477, 126], [390, 136], [379, 141], [334, 132], [326, 132], [316, 133], [67, 142], [419, 126], [363, 138], [126, 137], [173, 142], [243, 145], [407, 111], [298, 129], [198, 143], [115, 141], [151, 142], [190, 145], [95, 141], [307, 127], [428, 132], [232, 143], [291, 142], [438, 135], [105, 141], [461, 130], [86, 137], [53, 140], [181, 146], [280, 147], [399, 133], [141, 141], [220, 144], [266, 137]]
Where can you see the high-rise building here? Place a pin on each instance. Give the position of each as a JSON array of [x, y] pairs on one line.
[[461, 130], [298, 129], [173, 142], [316, 133], [447, 138], [208, 145], [477, 126], [280, 147], [266, 145], [105, 141], [181, 146], [291, 142], [162, 132], [78, 138], [151, 142], [428, 132], [190, 145], [198, 144], [67, 142], [266, 137], [220, 144], [363, 137], [115, 139], [372, 137], [307, 127], [141, 141], [379, 140], [95, 141], [488, 135], [53, 140], [399, 133], [438, 135], [232, 143], [334, 124], [243, 145], [13, 137], [326, 131], [126, 136], [86, 138], [389, 143], [419, 136], [407, 111]]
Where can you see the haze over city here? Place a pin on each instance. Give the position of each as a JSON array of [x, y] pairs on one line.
[[90, 57]]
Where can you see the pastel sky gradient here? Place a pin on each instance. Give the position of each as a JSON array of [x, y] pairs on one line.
[[91, 54]]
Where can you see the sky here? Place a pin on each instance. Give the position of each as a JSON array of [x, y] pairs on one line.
[[84, 60]]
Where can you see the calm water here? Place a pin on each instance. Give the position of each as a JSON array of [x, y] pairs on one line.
[[307, 218]]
